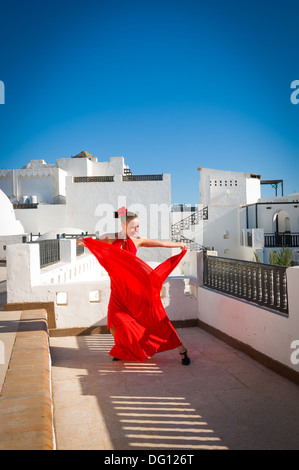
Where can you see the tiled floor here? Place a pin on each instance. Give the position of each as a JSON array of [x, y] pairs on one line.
[[223, 400]]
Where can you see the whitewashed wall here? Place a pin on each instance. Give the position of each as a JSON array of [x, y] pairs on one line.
[[229, 188], [224, 192], [46, 218], [6, 240], [264, 330], [92, 205], [222, 231]]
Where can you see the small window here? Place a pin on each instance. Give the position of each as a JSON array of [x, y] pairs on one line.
[[61, 298], [95, 296]]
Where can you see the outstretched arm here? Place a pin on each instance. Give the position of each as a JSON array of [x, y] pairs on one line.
[[107, 237], [147, 242]]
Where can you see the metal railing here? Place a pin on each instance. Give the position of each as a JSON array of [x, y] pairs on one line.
[[49, 252], [143, 177], [191, 244], [273, 240], [93, 179], [187, 222], [26, 205], [260, 283]]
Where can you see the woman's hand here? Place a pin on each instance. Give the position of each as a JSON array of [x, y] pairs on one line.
[[80, 241], [183, 246]]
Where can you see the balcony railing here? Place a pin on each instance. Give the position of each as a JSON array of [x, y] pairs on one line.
[[142, 177], [262, 284], [49, 252], [93, 179], [26, 205], [290, 240]]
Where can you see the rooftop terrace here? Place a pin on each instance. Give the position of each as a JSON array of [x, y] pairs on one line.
[[223, 400]]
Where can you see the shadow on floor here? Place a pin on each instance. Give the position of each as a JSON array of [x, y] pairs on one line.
[[223, 400]]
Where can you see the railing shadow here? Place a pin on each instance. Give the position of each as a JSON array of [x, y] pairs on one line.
[[223, 400], [144, 405]]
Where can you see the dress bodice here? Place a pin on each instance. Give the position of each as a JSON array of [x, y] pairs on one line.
[[126, 244]]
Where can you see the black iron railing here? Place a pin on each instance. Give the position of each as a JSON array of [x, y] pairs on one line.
[[191, 244], [93, 179], [26, 205], [49, 252], [273, 240], [262, 284], [142, 177], [79, 250], [187, 222]]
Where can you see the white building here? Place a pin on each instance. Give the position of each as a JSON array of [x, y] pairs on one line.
[[278, 220], [233, 220], [216, 224], [11, 229], [239, 222], [83, 193], [223, 193]]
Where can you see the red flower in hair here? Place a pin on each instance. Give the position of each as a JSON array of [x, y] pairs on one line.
[[122, 211]]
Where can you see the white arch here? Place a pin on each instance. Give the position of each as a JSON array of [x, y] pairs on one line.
[[281, 221]]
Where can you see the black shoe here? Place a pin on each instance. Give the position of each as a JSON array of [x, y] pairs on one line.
[[185, 360], [115, 359]]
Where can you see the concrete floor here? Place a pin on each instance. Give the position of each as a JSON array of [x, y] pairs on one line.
[[223, 400]]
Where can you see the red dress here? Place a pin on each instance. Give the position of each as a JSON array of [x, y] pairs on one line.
[[135, 307]]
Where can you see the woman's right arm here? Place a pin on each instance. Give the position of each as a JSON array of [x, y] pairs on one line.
[[107, 238]]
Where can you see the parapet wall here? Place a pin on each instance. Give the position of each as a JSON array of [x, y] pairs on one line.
[[79, 288], [26, 409]]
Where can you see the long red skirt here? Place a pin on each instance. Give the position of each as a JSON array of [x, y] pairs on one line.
[[135, 307]]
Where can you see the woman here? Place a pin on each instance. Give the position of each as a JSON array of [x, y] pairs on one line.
[[136, 316]]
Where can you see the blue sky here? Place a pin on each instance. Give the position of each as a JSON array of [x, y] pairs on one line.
[[169, 85]]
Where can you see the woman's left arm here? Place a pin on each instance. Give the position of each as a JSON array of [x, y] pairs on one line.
[[147, 242]]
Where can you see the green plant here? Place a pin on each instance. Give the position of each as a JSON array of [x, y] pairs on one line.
[[256, 258], [281, 258]]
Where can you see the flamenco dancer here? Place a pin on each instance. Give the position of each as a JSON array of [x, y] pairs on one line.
[[136, 317]]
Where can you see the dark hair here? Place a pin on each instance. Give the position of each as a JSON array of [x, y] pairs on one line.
[[126, 218]]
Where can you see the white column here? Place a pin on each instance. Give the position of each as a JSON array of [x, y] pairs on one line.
[[23, 271]]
